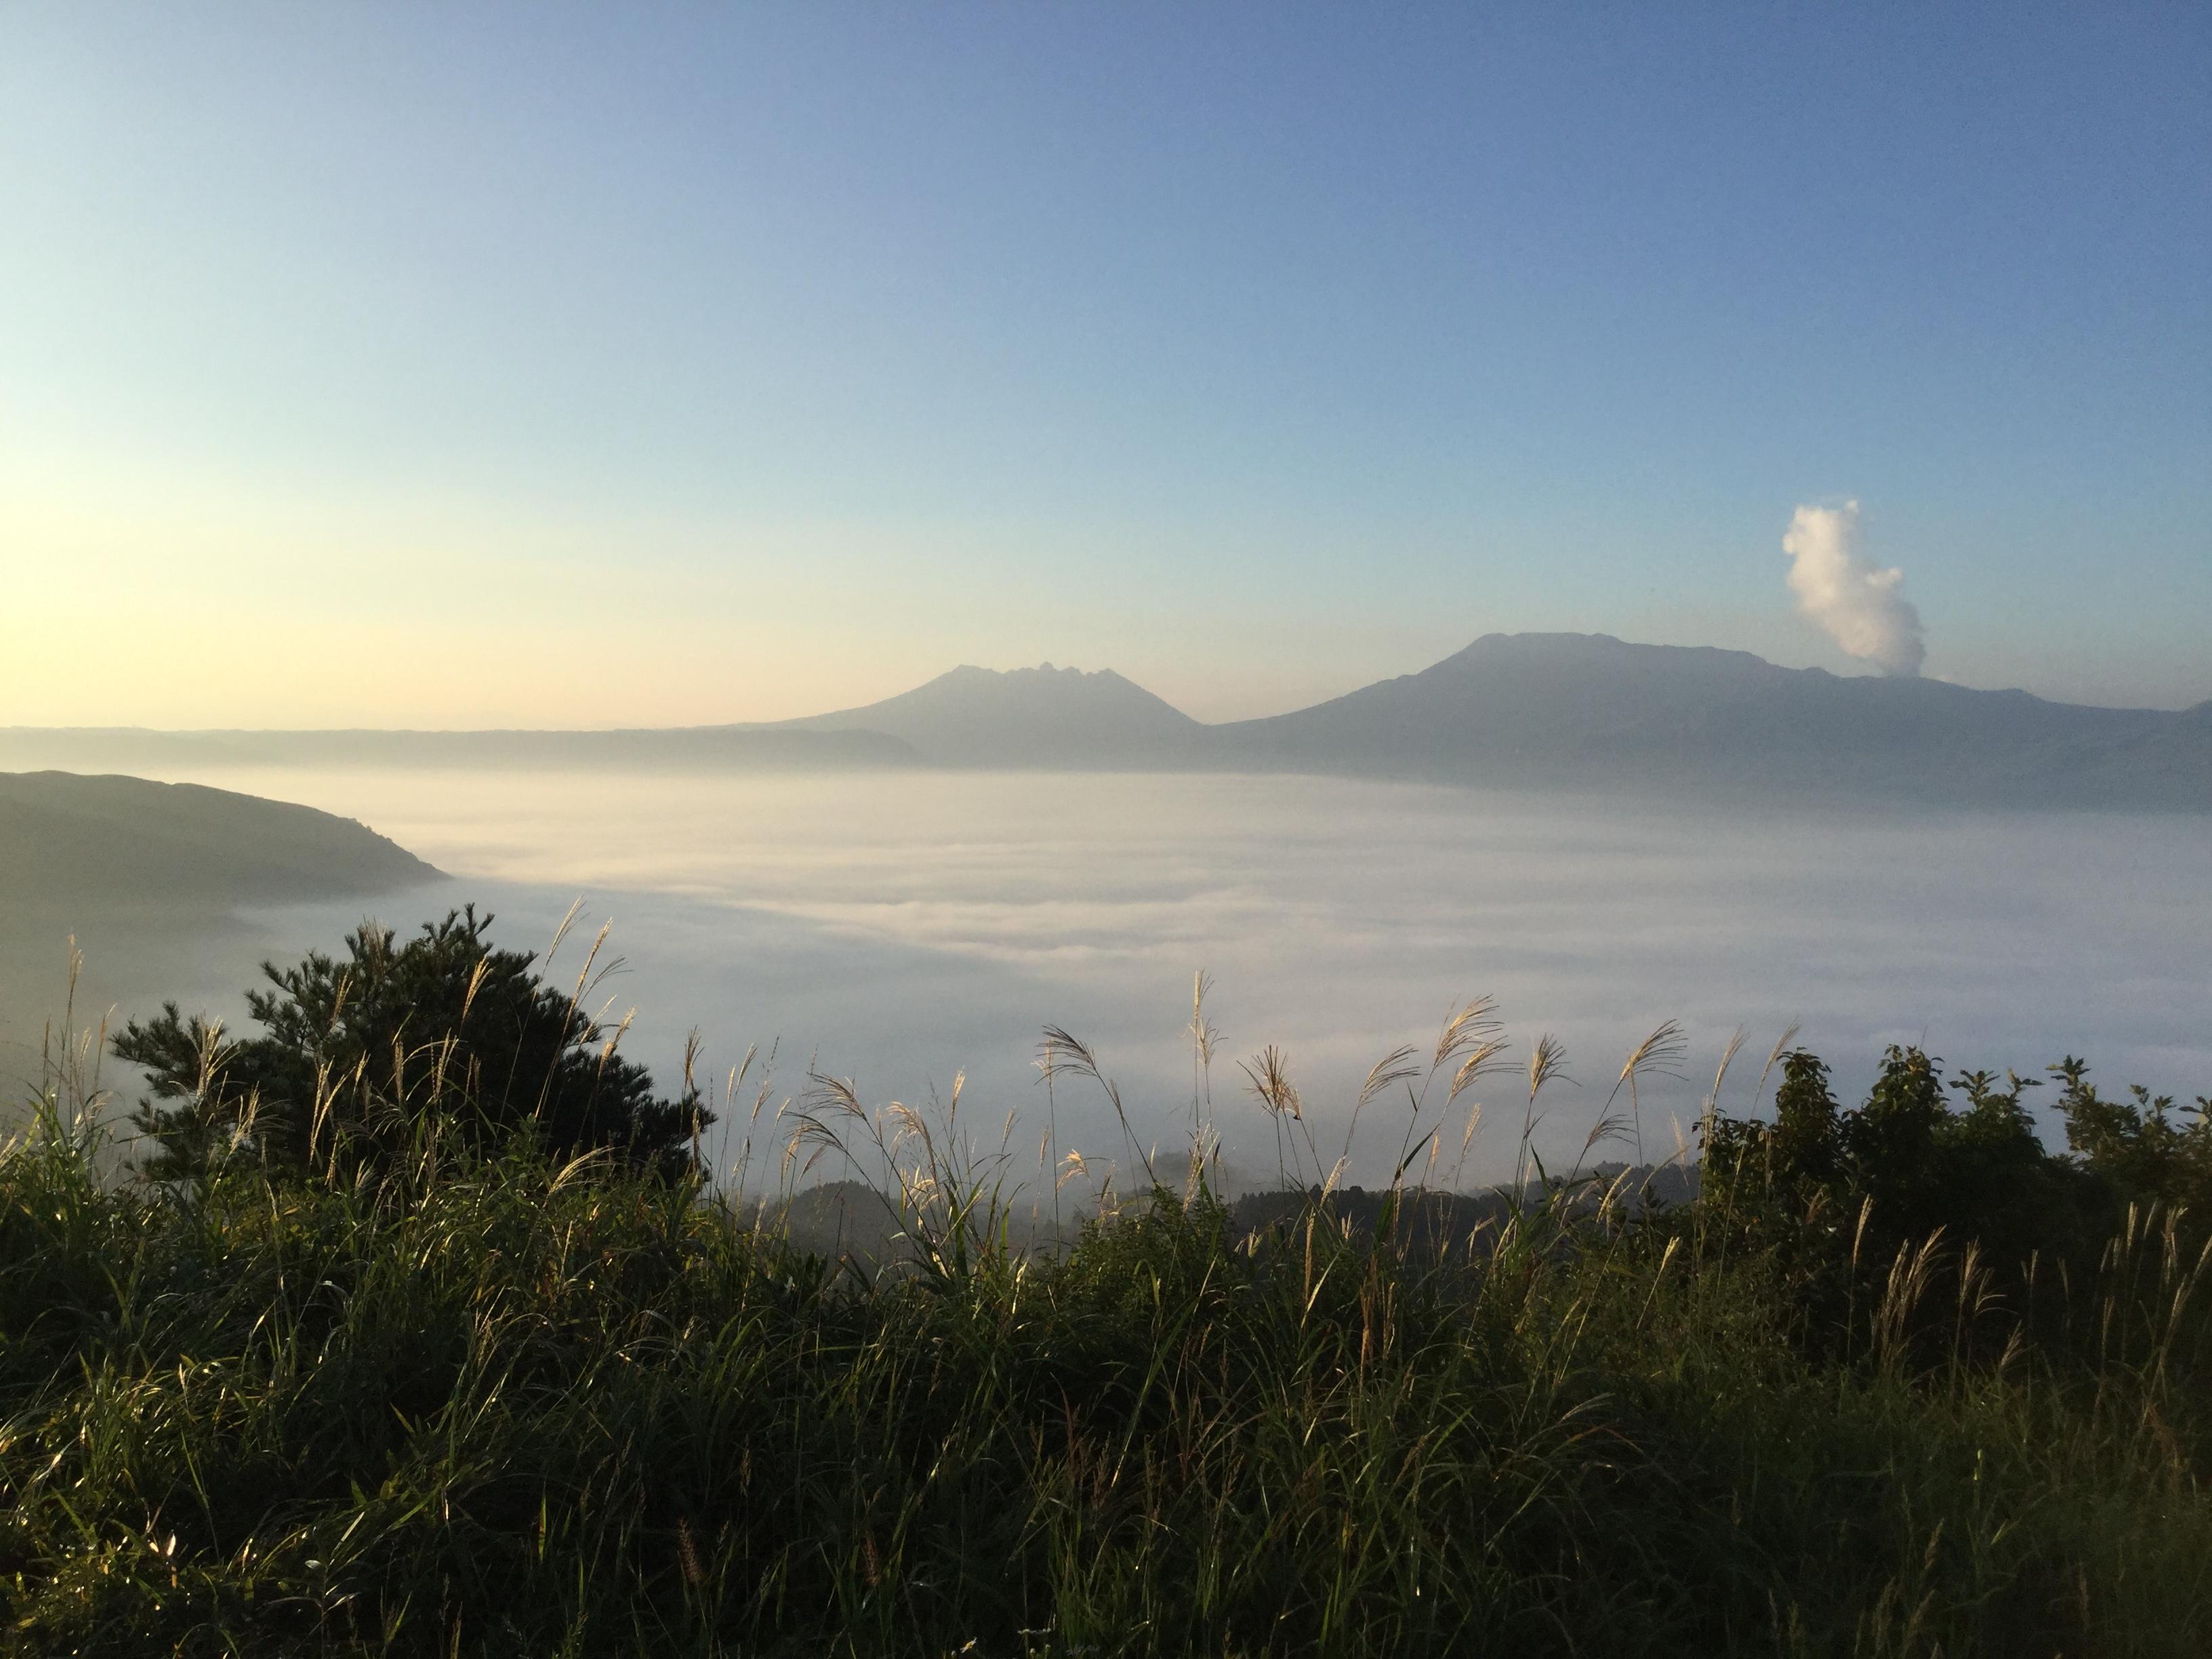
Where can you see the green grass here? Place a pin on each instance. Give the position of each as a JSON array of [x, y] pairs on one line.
[[514, 1409]]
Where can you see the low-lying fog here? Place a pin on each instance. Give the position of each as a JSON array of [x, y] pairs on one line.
[[897, 929]]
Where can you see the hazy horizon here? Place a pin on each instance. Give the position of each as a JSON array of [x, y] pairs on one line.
[[1850, 670]]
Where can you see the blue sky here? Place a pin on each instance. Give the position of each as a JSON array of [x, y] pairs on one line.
[[536, 365]]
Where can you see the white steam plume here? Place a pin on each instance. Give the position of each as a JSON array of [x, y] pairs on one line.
[[1853, 602]]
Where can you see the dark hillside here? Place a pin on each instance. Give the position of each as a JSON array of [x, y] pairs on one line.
[[147, 881], [64, 837]]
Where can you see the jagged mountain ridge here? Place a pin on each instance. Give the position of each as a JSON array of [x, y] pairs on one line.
[[1042, 716], [1589, 711], [1580, 711]]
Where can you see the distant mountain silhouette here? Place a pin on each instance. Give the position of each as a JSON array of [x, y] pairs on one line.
[[1588, 710], [1579, 711], [1042, 716]]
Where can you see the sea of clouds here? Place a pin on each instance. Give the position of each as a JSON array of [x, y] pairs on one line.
[[900, 930]]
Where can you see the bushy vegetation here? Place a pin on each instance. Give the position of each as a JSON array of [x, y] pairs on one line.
[[358, 1056], [480, 1394], [1913, 1163]]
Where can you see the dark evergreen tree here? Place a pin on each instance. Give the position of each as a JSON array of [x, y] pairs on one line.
[[444, 1043]]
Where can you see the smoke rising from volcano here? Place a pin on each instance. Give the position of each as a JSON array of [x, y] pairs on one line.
[[1854, 601]]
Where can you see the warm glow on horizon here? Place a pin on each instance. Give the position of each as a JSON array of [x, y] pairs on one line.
[[349, 376], [215, 605]]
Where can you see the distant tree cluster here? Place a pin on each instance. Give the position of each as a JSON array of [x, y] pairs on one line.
[[1909, 1161], [443, 1043]]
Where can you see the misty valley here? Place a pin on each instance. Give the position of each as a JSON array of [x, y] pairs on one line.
[[1601, 836], [901, 928]]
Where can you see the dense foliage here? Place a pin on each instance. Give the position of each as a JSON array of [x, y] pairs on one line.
[[474, 1395], [356, 1056], [1825, 1192]]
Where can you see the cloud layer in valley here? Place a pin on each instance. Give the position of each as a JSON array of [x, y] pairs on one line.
[[1853, 600], [897, 930]]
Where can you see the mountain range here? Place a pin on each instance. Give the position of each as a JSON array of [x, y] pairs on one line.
[[1585, 711]]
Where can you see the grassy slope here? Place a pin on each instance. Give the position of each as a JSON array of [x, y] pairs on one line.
[[67, 837], [147, 879], [511, 1411]]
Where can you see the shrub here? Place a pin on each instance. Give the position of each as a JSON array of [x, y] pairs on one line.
[[444, 1042]]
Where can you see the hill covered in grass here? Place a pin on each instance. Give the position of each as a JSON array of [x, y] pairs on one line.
[[147, 881], [66, 839]]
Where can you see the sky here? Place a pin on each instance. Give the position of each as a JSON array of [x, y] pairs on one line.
[[555, 365]]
